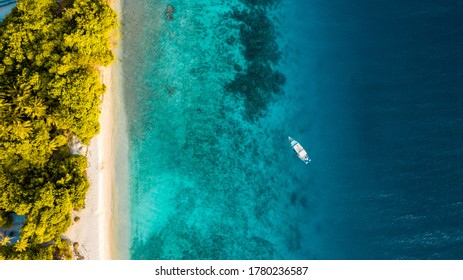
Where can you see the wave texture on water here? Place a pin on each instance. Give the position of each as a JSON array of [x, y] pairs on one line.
[[371, 89]]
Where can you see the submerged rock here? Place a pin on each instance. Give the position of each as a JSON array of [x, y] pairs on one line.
[[171, 90], [169, 12], [231, 40], [237, 67]]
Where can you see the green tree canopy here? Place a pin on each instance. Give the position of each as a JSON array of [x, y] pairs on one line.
[[50, 89]]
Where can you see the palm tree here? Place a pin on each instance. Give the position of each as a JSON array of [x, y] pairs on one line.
[[39, 107], [21, 129], [35, 108], [5, 240], [21, 245]]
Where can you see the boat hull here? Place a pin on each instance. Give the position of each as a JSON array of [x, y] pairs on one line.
[[299, 150]]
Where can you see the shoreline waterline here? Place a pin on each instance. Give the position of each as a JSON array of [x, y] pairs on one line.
[[95, 230], [120, 208], [92, 231]]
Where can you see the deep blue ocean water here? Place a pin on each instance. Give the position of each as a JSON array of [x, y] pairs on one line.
[[371, 88]]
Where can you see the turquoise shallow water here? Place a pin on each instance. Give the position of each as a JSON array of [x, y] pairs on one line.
[[209, 178]]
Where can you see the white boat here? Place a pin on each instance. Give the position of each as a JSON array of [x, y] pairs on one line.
[[299, 150]]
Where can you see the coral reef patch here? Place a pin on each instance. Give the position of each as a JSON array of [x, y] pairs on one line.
[[261, 80]]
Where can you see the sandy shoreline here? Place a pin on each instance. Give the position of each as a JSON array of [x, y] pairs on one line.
[[93, 230]]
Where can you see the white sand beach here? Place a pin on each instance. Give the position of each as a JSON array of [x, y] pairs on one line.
[[93, 230]]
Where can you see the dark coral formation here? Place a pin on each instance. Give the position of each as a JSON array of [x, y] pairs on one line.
[[258, 83], [261, 3], [258, 35], [169, 12]]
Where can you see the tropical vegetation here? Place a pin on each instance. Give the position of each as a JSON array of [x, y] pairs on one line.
[[50, 90]]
